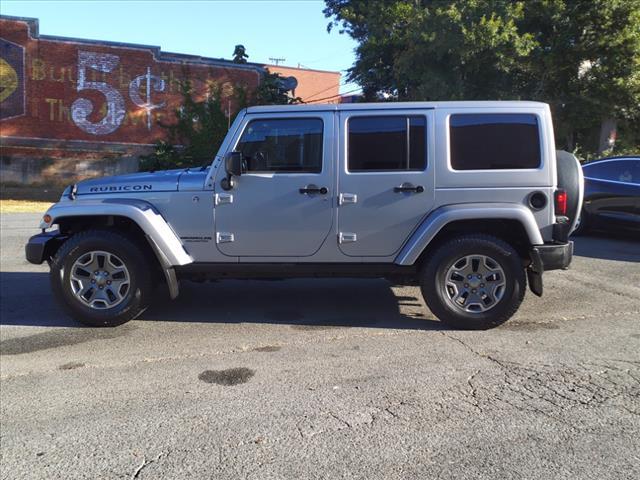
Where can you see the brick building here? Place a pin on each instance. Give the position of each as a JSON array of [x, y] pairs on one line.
[[71, 108]]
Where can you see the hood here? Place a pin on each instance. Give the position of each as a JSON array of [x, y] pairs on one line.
[[161, 181]]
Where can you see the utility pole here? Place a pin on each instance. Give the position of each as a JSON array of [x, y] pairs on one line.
[[277, 60]]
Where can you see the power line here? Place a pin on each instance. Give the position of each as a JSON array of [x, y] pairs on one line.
[[341, 84], [334, 96], [324, 90]]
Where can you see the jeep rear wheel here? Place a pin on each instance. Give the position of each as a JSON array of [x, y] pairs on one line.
[[100, 278], [474, 282]]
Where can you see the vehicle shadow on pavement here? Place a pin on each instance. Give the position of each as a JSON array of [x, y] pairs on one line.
[[304, 304], [618, 246], [26, 300]]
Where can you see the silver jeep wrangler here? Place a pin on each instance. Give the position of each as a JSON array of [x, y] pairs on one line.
[[467, 199]]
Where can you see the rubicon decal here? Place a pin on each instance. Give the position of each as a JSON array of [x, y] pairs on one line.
[[120, 188]]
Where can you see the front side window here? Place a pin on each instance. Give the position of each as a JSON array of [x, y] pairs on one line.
[[494, 141], [387, 143], [292, 145]]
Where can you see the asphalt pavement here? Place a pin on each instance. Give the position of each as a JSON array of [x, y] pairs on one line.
[[316, 379]]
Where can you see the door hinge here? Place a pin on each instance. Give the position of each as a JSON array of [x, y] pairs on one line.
[[345, 198], [346, 237], [224, 237], [223, 198]]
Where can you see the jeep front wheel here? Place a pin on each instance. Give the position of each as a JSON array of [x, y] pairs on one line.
[[99, 277], [474, 282]]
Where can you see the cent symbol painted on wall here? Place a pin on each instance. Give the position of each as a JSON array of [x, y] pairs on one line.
[[12, 98], [82, 108], [134, 92]]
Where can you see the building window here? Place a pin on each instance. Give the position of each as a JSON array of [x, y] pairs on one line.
[[494, 141], [387, 143], [292, 145]]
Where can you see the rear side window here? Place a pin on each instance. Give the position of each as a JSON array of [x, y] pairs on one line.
[[387, 143], [494, 141], [282, 145]]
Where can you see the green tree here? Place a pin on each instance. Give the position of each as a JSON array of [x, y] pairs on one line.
[[586, 65], [273, 91], [193, 139], [580, 56], [201, 124]]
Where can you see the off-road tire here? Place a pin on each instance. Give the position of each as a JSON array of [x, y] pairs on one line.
[[140, 289], [432, 281]]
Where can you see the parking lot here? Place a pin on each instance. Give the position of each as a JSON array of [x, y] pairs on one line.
[[324, 379]]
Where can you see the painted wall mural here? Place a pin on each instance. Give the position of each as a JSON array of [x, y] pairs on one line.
[[81, 108], [11, 79], [151, 81], [62, 89], [115, 106], [74, 108]]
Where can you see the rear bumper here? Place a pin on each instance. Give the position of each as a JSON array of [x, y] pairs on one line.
[[553, 256], [43, 246]]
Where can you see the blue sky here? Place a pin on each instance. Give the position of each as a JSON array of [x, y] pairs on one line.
[[295, 30]]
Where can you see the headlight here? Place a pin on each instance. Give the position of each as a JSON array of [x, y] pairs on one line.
[[46, 221]]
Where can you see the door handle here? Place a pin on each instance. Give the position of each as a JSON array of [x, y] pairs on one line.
[[311, 189], [408, 188]]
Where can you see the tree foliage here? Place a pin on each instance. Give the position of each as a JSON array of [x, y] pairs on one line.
[[273, 91], [196, 134], [580, 56], [201, 123]]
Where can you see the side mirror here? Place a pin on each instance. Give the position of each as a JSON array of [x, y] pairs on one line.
[[233, 166], [233, 163]]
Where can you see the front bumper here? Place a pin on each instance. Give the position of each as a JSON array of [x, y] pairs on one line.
[[43, 246], [552, 256]]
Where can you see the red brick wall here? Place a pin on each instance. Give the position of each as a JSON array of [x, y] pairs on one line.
[[56, 104], [74, 99], [313, 85]]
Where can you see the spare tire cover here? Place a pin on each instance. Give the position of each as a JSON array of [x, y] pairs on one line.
[[571, 180]]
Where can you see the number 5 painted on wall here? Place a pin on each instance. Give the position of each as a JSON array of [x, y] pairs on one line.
[[82, 108]]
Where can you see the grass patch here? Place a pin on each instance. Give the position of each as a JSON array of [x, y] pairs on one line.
[[23, 206]]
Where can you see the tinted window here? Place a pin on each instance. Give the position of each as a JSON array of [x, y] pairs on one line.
[[620, 171], [494, 141], [387, 143], [282, 145]]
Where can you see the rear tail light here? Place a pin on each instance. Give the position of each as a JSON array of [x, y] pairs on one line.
[[561, 202]]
